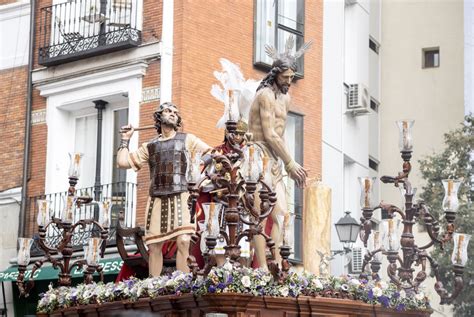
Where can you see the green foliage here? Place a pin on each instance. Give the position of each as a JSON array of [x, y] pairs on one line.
[[456, 161]]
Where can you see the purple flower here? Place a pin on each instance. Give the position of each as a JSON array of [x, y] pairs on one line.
[[384, 300], [230, 279], [371, 295], [129, 283], [400, 307], [221, 285], [211, 289], [396, 295]]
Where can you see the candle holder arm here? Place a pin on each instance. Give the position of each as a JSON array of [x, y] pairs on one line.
[[446, 297], [431, 225], [25, 287], [367, 258], [391, 210]]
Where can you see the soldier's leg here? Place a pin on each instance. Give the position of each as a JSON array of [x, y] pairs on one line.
[[183, 242], [155, 259]]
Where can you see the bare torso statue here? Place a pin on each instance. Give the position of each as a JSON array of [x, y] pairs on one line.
[[267, 123]]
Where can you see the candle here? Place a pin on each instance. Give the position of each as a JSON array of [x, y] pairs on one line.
[[390, 232], [265, 161], [367, 193], [376, 240], [450, 192], [211, 217], [405, 134], [251, 154], [459, 250], [231, 102], [104, 215], [69, 208], [24, 251], [286, 221], [75, 163], [43, 212]]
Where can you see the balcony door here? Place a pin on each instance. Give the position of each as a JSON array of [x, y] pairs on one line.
[[85, 142]]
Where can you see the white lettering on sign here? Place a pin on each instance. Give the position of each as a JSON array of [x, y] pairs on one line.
[[150, 94]]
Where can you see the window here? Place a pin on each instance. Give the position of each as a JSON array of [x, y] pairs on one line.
[[430, 57], [85, 142], [275, 21], [294, 143], [373, 45]]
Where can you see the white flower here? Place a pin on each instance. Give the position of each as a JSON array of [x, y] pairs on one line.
[[262, 282], [170, 282], [419, 296], [52, 297], [284, 291], [403, 294], [246, 281], [228, 266], [266, 278], [355, 282], [383, 284], [377, 291], [317, 283]]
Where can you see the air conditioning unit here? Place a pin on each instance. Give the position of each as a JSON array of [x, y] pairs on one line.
[[350, 2], [358, 99], [357, 260]]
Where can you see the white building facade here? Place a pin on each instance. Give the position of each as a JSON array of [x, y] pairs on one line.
[[351, 95]]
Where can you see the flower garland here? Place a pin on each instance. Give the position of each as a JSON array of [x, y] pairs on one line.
[[227, 279]]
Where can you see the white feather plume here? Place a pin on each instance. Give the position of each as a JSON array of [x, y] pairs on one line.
[[231, 78]]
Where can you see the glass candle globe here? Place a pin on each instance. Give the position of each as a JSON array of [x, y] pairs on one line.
[[451, 188], [459, 256], [405, 140], [366, 189]]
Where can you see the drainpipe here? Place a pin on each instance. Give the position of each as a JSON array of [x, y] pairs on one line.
[[27, 139], [166, 67]]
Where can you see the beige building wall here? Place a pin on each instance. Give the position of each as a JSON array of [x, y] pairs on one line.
[[433, 97]]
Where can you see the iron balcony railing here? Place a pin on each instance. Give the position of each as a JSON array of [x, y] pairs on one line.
[[122, 196], [78, 29]]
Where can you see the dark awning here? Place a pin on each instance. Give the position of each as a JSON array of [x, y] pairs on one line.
[[47, 272]]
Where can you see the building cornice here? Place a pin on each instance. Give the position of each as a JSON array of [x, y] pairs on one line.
[[132, 70], [14, 10], [10, 196]]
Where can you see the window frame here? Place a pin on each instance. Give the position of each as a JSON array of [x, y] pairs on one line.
[[262, 65], [297, 253], [426, 50]]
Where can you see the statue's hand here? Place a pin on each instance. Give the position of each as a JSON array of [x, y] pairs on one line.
[[126, 132], [299, 174]]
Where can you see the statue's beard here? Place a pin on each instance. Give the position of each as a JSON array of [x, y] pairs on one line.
[[283, 88], [167, 122]]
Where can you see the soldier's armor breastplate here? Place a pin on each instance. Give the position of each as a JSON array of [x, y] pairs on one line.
[[167, 162]]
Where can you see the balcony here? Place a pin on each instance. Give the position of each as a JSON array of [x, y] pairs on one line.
[[122, 196], [79, 29]]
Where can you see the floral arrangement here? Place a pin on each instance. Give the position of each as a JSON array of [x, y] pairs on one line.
[[228, 279]]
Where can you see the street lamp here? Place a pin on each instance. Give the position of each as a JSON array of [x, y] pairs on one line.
[[347, 230]]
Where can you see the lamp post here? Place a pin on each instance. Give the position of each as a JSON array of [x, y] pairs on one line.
[[347, 229], [66, 225]]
